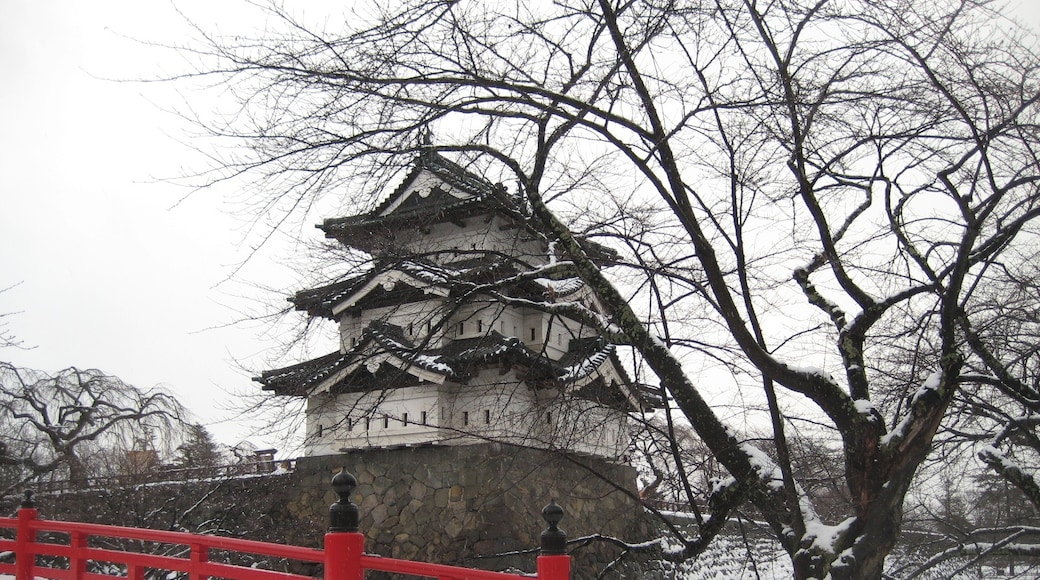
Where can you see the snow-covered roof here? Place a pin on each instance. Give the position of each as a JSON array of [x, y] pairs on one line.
[[385, 351], [435, 190], [438, 190], [561, 288], [415, 278], [327, 300]]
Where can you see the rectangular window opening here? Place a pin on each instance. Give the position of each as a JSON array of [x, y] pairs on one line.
[[465, 417], [404, 419], [487, 416], [386, 421], [422, 418], [533, 334]]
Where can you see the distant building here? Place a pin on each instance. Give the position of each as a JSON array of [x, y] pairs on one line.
[[445, 340]]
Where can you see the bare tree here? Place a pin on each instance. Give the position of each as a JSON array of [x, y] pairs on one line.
[[815, 197], [55, 423]]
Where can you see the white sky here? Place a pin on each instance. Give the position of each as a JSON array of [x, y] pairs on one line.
[[111, 274]]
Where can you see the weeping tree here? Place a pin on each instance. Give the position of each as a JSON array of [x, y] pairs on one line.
[[814, 204], [63, 424]]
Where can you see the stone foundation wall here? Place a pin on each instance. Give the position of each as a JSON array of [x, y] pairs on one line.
[[468, 505]]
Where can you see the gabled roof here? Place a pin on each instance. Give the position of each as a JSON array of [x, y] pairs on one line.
[[379, 341], [457, 194], [329, 300], [468, 185], [385, 346], [423, 278], [453, 194]]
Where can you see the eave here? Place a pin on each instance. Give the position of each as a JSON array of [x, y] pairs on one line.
[[383, 347], [332, 300]]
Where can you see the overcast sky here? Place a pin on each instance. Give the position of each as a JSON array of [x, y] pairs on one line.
[[111, 271]]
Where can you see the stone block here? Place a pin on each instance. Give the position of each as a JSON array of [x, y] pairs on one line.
[[440, 498]]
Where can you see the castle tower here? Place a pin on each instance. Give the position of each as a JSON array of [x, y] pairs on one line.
[[458, 333], [463, 342]]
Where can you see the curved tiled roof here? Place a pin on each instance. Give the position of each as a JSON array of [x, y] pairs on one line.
[[561, 288], [450, 172], [300, 379], [320, 301], [481, 196], [456, 361]]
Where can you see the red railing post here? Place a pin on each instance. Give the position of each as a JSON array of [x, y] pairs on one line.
[[553, 561], [554, 567], [343, 555], [25, 555], [199, 556], [77, 563], [344, 544]]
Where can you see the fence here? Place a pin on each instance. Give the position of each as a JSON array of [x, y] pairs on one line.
[[64, 550], [167, 474]]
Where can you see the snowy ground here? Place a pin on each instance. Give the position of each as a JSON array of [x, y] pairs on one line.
[[730, 558]]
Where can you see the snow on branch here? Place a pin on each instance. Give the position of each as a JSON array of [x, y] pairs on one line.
[[1012, 472]]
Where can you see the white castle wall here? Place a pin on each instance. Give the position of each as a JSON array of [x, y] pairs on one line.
[[499, 409]]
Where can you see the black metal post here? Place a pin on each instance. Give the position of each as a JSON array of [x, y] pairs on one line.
[[343, 515], [554, 540]]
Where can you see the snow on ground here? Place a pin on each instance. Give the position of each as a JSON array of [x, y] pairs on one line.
[[729, 558], [759, 557]]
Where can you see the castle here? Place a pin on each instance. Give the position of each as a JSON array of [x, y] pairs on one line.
[[466, 392], [454, 336]]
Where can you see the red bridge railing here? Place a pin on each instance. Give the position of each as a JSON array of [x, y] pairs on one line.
[[62, 550]]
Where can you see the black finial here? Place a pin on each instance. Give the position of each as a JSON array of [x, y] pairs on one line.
[[554, 540], [343, 515], [426, 137], [28, 502]]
